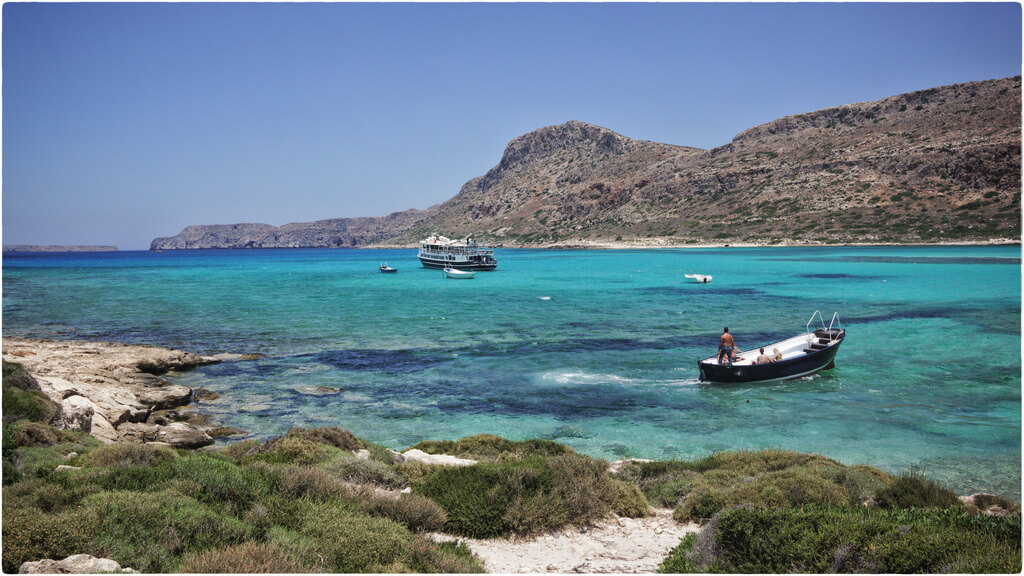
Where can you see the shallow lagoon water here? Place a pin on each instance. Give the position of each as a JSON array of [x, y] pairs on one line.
[[594, 349]]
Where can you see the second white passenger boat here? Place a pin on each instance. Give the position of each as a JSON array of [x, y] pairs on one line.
[[698, 278]]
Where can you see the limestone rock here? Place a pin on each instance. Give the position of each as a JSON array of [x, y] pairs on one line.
[[176, 434], [77, 564], [416, 455], [76, 413]]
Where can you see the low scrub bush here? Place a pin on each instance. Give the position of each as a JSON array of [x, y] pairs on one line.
[[32, 534], [222, 481], [36, 460], [245, 558], [352, 542], [444, 558], [241, 449], [127, 455], [32, 405], [987, 503], [50, 497], [360, 471], [330, 436], [784, 488], [914, 491], [627, 500], [306, 482], [26, 433], [415, 512], [291, 450], [15, 376], [490, 447], [849, 539], [151, 531], [522, 496]]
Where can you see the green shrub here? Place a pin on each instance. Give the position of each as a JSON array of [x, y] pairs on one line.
[[444, 558], [15, 376], [982, 503], [10, 473], [222, 481], [291, 450], [583, 484], [31, 534], [30, 405], [127, 455], [36, 460], [849, 539], [306, 482], [477, 498], [415, 512], [914, 491], [150, 531], [352, 542], [520, 496], [245, 558], [26, 433], [490, 447], [330, 436], [794, 487], [50, 497], [627, 500], [240, 449], [360, 471]]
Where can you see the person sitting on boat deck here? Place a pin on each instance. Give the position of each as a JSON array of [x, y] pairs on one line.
[[726, 347], [776, 356], [763, 358]]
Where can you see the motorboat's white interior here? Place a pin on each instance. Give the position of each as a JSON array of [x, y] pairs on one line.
[[790, 348]]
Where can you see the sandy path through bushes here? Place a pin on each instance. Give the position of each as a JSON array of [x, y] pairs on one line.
[[623, 545]]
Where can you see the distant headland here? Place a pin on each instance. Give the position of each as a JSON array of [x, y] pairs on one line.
[[73, 248], [937, 166]]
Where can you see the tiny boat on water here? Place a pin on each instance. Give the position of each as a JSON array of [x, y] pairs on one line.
[[698, 278], [459, 274], [385, 269], [798, 356]]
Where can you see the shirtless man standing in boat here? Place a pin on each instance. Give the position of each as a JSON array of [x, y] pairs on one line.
[[726, 347]]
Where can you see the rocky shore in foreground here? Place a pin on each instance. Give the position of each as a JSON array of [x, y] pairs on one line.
[[113, 391]]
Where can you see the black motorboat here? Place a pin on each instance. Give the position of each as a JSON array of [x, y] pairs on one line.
[[794, 357]]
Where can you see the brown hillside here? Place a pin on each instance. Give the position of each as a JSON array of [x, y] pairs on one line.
[[937, 165]]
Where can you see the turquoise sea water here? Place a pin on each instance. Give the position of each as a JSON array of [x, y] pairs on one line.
[[594, 349]]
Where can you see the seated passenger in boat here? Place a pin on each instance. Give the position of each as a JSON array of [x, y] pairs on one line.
[[763, 358], [776, 356]]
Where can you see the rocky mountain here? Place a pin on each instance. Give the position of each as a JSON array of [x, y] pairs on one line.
[[942, 164]]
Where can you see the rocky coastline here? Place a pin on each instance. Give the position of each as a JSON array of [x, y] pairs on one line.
[[113, 391]]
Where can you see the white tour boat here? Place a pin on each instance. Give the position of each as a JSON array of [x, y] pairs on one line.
[[466, 254], [698, 278]]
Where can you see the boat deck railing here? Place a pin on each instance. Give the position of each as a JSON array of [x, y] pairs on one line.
[[834, 322]]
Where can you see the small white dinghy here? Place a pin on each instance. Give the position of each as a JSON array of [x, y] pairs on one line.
[[698, 278], [459, 274]]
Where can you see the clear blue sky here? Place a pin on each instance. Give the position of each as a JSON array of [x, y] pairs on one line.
[[123, 122]]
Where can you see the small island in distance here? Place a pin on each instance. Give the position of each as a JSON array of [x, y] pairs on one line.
[[57, 248]]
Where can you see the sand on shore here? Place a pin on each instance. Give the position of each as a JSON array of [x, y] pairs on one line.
[[618, 545]]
